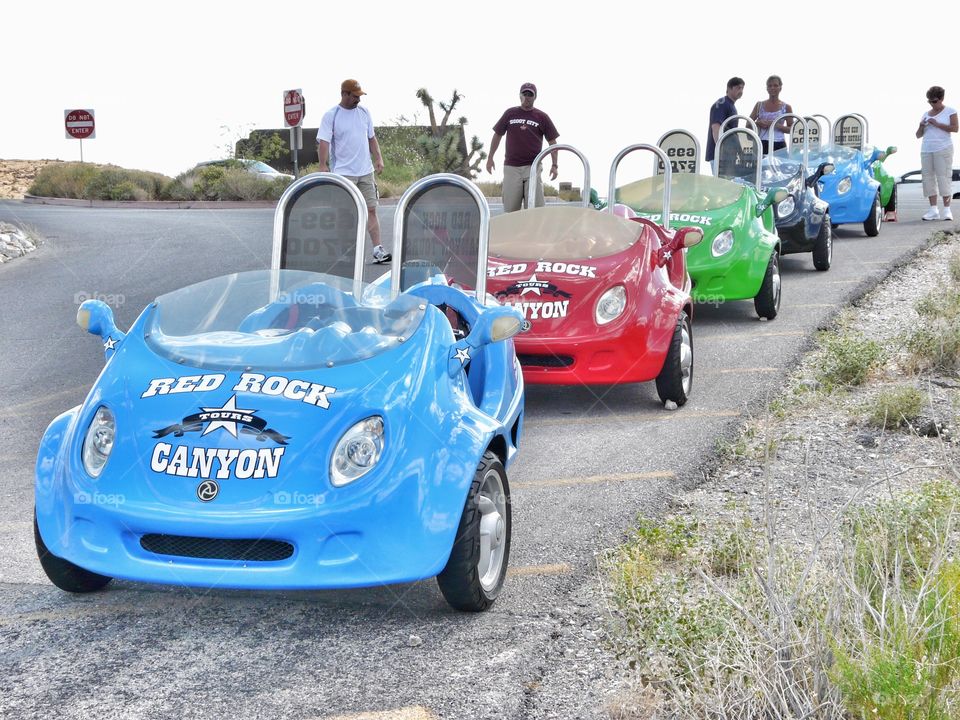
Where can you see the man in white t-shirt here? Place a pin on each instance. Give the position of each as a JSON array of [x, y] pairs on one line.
[[345, 144]]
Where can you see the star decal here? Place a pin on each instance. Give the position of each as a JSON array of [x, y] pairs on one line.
[[110, 344], [533, 288], [230, 406], [463, 354]]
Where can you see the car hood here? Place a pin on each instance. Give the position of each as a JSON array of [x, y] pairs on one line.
[[176, 423]]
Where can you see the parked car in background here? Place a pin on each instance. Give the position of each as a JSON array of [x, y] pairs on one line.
[[255, 167], [915, 177]]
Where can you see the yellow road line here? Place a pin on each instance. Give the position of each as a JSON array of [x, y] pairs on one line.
[[595, 479], [752, 336], [528, 570], [633, 417], [730, 371]]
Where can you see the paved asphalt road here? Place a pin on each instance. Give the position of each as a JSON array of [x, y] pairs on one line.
[[592, 459]]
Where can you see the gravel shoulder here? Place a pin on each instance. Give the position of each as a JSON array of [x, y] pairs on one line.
[[808, 453], [825, 451]]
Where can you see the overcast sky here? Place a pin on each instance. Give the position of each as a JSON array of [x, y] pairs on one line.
[[178, 82]]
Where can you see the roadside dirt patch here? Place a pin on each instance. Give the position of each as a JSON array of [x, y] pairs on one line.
[[16, 176]]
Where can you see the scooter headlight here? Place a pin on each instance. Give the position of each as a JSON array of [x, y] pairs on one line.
[[722, 243], [98, 443], [843, 187], [358, 451], [611, 305], [785, 207]]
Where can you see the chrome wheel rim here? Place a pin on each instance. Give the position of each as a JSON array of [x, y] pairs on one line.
[[492, 504], [776, 280], [829, 244], [878, 214], [686, 358]]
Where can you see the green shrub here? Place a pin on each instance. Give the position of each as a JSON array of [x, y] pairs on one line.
[[935, 345], [97, 182], [895, 407], [897, 654], [175, 190], [942, 303], [63, 180], [869, 629], [668, 539], [114, 184], [491, 189], [206, 183], [239, 184], [848, 359], [732, 550]]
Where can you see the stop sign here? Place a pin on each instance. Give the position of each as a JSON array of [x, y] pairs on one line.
[[292, 108], [79, 124]]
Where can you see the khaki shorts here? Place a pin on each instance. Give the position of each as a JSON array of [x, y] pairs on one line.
[[516, 180], [937, 172], [367, 186]]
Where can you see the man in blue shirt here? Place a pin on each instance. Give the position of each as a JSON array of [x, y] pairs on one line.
[[721, 110]]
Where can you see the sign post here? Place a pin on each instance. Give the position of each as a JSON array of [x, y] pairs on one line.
[[79, 125], [294, 108]]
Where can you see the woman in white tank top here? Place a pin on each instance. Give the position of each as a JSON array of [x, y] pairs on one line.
[[767, 112], [936, 153]]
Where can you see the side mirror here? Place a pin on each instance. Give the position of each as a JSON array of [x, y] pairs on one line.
[[823, 169], [493, 325], [96, 318], [595, 200], [684, 237], [690, 236], [774, 195]]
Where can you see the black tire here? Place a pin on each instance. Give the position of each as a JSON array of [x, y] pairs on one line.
[[767, 301], [63, 573], [871, 226], [823, 248], [488, 502], [675, 380]]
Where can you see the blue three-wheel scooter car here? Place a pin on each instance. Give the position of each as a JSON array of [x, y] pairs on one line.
[[298, 427]]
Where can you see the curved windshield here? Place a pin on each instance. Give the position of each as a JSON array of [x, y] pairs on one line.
[[688, 193], [259, 166], [835, 154], [289, 319], [560, 233], [776, 169]]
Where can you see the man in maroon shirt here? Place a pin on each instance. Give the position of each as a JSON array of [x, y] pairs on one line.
[[525, 128]]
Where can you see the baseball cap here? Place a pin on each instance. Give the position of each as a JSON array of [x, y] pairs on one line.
[[529, 86], [351, 86]]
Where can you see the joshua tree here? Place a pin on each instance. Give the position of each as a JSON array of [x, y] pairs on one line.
[[441, 146]]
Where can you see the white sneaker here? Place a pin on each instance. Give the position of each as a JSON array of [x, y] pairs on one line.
[[932, 214], [380, 255], [947, 214]]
